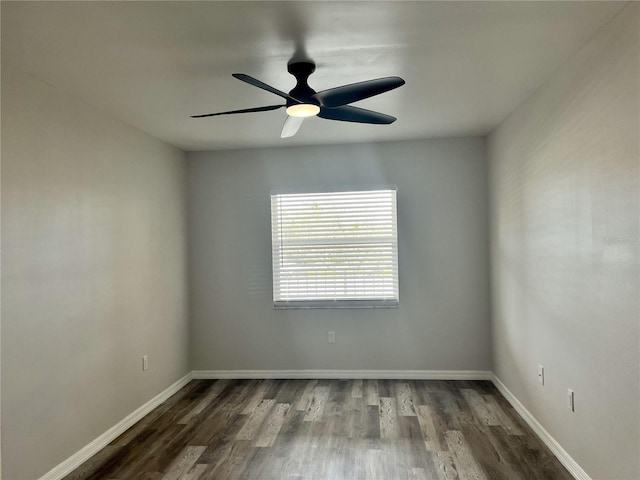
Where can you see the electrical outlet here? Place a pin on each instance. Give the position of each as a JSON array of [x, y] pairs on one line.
[[145, 362], [571, 405], [541, 374], [331, 336]]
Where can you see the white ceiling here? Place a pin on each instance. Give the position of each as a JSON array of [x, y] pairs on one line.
[[152, 64]]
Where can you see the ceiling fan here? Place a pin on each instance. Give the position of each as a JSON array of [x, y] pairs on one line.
[[331, 104]]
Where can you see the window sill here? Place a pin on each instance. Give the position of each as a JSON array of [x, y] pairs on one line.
[[337, 304]]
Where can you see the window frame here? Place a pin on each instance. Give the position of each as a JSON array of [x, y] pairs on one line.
[[365, 303]]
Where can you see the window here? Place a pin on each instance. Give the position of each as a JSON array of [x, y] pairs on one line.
[[335, 250]]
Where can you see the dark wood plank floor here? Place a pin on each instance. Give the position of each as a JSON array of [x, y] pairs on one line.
[[328, 429]]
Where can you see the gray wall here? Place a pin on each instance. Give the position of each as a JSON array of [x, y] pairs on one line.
[[564, 185], [443, 318], [93, 273]]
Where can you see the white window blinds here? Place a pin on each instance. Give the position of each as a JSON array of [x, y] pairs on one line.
[[335, 249]]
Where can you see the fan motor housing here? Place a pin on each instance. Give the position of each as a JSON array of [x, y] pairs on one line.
[[302, 91]]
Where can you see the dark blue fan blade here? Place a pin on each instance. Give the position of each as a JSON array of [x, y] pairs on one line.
[[336, 97], [257, 83], [244, 110], [348, 113]]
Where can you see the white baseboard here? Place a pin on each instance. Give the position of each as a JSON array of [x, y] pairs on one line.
[[107, 437], [570, 464], [347, 374]]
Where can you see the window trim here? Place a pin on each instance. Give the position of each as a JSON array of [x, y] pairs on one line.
[[338, 303]]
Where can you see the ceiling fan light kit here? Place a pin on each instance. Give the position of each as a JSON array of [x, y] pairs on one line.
[[303, 110], [332, 104]]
